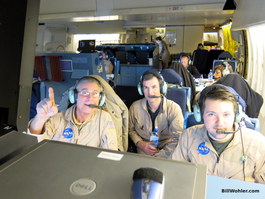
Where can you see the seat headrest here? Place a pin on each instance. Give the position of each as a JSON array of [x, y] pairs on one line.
[[171, 76]]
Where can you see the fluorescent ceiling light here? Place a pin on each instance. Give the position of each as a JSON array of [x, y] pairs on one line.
[[101, 18]]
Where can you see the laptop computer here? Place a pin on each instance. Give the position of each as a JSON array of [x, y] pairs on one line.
[[60, 170], [14, 143]]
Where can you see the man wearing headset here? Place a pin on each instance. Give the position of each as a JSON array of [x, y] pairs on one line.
[[154, 110], [218, 71], [84, 123], [185, 61], [227, 148]]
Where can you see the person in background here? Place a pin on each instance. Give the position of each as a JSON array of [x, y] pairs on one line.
[[84, 123], [185, 61], [161, 54], [200, 46], [108, 66], [222, 143], [154, 111], [218, 71], [199, 59]]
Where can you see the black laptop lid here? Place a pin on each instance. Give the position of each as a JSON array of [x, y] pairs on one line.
[[52, 169]]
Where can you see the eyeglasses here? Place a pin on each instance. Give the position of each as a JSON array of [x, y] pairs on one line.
[[86, 93], [217, 72]]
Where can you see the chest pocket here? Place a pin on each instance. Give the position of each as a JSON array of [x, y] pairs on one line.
[[140, 128]]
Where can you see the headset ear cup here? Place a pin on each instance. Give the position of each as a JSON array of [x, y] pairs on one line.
[[189, 60], [238, 118], [72, 95], [163, 88], [102, 99], [197, 113], [139, 88], [238, 115]]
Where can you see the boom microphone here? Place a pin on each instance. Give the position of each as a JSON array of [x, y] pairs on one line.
[[226, 132], [93, 106], [147, 184], [154, 96]]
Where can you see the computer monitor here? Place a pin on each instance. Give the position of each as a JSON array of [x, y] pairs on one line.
[[86, 46], [233, 63], [131, 57], [122, 56], [142, 57], [52, 169]]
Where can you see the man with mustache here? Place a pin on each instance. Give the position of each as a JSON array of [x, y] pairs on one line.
[[223, 143], [154, 111]]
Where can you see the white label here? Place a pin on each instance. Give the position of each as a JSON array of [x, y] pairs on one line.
[[110, 156]]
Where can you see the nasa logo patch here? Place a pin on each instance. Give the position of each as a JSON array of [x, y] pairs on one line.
[[68, 133], [203, 150]]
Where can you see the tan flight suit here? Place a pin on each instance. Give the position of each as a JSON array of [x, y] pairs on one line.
[[194, 146], [169, 122], [97, 131]]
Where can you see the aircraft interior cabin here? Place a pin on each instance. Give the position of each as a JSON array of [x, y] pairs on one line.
[[132, 99]]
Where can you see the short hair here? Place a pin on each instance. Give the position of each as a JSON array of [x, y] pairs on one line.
[[200, 44], [183, 56], [219, 94], [220, 67], [89, 79], [149, 76]]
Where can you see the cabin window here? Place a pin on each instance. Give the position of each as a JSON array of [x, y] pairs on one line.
[[256, 57]]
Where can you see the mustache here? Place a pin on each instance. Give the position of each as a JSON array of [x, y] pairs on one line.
[[154, 96]]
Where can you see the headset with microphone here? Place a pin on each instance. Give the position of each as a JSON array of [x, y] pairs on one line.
[[197, 108], [73, 93], [163, 84]]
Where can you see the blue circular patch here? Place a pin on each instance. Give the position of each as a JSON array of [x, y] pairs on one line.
[[68, 133], [204, 150]]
